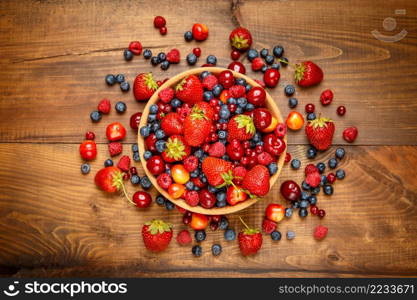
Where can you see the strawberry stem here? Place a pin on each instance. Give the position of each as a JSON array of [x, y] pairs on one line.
[[120, 181]]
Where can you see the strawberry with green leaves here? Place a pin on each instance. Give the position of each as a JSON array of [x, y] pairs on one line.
[[250, 240], [217, 171], [320, 133], [197, 127], [144, 86], [109, 179], [176, 149], [240, 127], [172, 124], [240, 39], [235, 195], [308, 74], [190, 90], [256, 180], [156, 235]]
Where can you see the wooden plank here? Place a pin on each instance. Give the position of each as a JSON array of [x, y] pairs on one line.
[[54, 222], [54, 56]]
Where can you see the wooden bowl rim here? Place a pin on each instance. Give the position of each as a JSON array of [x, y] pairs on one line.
[[271, 105]]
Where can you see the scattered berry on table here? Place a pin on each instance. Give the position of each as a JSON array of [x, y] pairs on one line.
[[312, 199], [90, 135], [154, 60], [284, 61], [350, 134], [341, 110], [311, 116], [264, 52], [278, 51], [216, 249], [165, 65], [159, 22], [311, 152], [191, 59], [200, 32], [275, 235], [145, 182], [125, 86], [160, 200], [197, 51], [169, 205], [234, 55], [135, 179], [290, 235], [115, 148], [184, 237], [252, 54], [120, 107], [162, 56], [135, 47], [295, 164], [314, 210], [211, 59], [332, 163], [331, 178], [287, 157], [200, 235], [85, 168], [197, 251], [288, 212], [163, 30], [310, 108], [321, 167], [95, 116], [304, 203], [275, 66], [315, 190], [147, 54], [326, 97], [305, 186], [188, 36], [120, 78], [229, 234], [303, 212], [321, 213], [328, 189], [320, 232], [224, 223], [292, 102], [269, 59], [108, 163], [289, 90], [340, 153], [104, 106], [340, 174], [110, 79], [128, 55]]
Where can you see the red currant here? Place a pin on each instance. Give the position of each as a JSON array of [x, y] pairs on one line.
[[133, 171], [310, 108], [341, 110], [232, 107], [246, 144], [314, 210], [287, 157], [159, 22], [163, 30], [234, 55], [90, 135], [197, 51], [321, 213]]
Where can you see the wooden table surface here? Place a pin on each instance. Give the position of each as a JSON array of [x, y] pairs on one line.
[[53, 59]]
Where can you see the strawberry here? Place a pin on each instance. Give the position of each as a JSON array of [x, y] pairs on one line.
[[240, 127], [190, 90], [216, 170], [156, 235], [173, 56], [176, 149], [350, 134], [217, 149], [209, 82], [320, 133], [192, 198], [109, 179], [172, 124], [166, 95], [237, 91], [115, 148], [256, 180], [308, 74], [235, 195], [239, 173], [190, 163], [196, 127], [268, 226], [250, 240], [240, 39], [257, 64], [184, 237], [144, 86], [124, 163], [104, 106], [320, 232], [205, 108]]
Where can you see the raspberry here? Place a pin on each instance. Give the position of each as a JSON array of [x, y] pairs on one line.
[[310, 168], [115, 148], [192, 198], [135, 47], [191, 163], [166, 95], [217, 149], [184, 237], [268, 226], [313, 179], [237, 91], [320, 232], [209, 82], [184, 111], [104, 106], [265, 158], [164, 180], [326, 97], [257, 64], [124, 163], [159, 22], [173, 56]]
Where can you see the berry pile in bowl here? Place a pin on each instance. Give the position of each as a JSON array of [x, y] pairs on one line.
[[212, 140]]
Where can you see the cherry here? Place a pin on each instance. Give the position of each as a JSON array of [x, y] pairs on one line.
[[252, 162], [135, 120], [273, 145], [341, 110], [290, 190], [310, 108], [259, 149], [216, 218], [256, 96], [150, 142], [155, 165], [186, 219], [197, 51], [142, 199], [214, 226], [226, 79], [234, 55], [248, 152], [271, 77], [237, 66], [281, 130], [207, 199], [235, 152], [262, 118]]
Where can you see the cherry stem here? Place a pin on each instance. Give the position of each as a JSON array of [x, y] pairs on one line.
[[125, 193], [286, 62], [243, 222]]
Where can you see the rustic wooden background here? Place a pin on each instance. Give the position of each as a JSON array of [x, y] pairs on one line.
[[53, 59]]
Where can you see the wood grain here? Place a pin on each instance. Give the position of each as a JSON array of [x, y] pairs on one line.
[[54, 56], [56, 223]]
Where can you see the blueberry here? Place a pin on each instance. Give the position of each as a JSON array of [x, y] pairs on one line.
[[275, 235], [204, 74], [242, 102], [151, 118], [145, 182], [284, 61], [340, 174], [304, 195], [295, 163], [223, 141], [95, 116], [290, 235], [288, 212], [278, 51], [160, 200], [328, 189], [199, 153], [248, 87], [194, 174], [224, 223], [275, 66], [189, 185], [153, 109], [231, 100], [155, 126], [264, 68], [332, 163], [303, 212], [249, 107], [257, 137], [127, 54], [216, 249], [203, 178], [175, 103], [292, 102], [162, 56], [211, 59], [264, 52], [208, 95], [147, 155], [221, 196], [200, 235], [136, 156], [312, 199], [217, 90], [323, 180], [160, 134], [303, 203], [135, 179], [311, 116], [191, 59], [125, 86], [321, 166], [340, 153], [160, 146], [224, 113], [212, 189], [315, 191], [222, 134], [110, 79], [188, 36], [295, 204], [289, 90], [305, 186], [147, 54], [240, 81], [120, 78], [108, 163], [165, 65], [135, 148], [196, 250], [252, 54], [221, 203], [239, 110], [85, 168], [120, 107], [229, 235], [311, 152], [269, 59], [169, 205], [154, 60], [272, 168]]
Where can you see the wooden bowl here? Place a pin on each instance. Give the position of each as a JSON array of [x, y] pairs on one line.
[[270, 104]]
